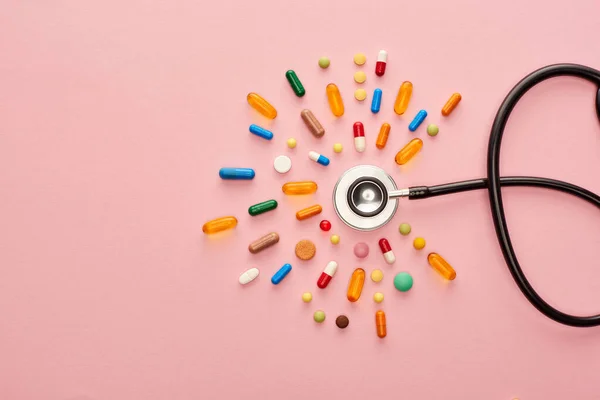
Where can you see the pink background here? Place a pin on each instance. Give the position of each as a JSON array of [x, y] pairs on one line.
[[115, 117]]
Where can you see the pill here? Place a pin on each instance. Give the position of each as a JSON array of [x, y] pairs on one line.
[[318, 158], [386, 249], [360, 94], [419, 243], [263, 207], [361, 250], [376, 275], [432, 129], [261, 132], [264, 242], [311, 122], [337, 148], [441, 266], [335, 239], [404, 229], [381, 63], [248, 276], [360, 59], [342, 322], [403, 98], [319, 316], [409, 151], [307, 297], [281, 273], [305, 250], [295, 188], [308, 212], [335, 100], [237, 173], [295, 83], [325, 225], [327, 274], [219, 224], [417, 121], [356, 285], [360, 77], [376, 102], [359, 137], [324, 62], [384, 133], [282, 164], [380, 324], [403, 281], [378, 297], [291, 143], [261, 105], [451, 104]]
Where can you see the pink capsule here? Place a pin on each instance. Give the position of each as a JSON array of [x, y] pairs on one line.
[[381, 63], [359, 137], [386, 249], [327, 274]]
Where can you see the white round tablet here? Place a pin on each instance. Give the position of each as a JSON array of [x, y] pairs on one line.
[[282, 164]]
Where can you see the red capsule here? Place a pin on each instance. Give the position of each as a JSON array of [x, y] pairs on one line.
[[381, 63], [359, 129], [327, 274], [386, 249], [360, 142]]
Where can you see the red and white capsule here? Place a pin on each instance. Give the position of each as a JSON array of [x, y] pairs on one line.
[[381, 63], [359, 137], [386, 249], [327, 274]]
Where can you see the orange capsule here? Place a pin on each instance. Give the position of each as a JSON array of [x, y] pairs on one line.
[[451, 104], [441, 266], [380, 324], [293, 188], [384, 133], [356, 284], [335, 100], [409, 151], [308, 212], [403, 98], [219, 224], [261, 105]]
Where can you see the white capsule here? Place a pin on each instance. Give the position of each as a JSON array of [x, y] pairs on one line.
[[360, 144], [389, 257], [249, 275]]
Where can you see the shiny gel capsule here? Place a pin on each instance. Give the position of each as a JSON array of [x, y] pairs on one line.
[[409, 151], [263, 207], [334, 98], [219, 225], [403, 98], [281, 273], [237, 173], [316, 157], [295, 83], [295, 188], [261, 105], [417, 121], [356, 285], [376, 102], [261, 132]]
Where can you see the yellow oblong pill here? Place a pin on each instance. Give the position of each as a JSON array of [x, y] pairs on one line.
[[335, 99], [219, 224], [305, 187], [409, 151], [403, 98], [261, 105]]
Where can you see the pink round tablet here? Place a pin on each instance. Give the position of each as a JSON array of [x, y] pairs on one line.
[[361, 250]]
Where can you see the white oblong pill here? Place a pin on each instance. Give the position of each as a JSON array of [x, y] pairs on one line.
[[249, 275], [282, 164]]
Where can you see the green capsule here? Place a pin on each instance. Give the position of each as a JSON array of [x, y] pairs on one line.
[[295, 83], [262, 207]]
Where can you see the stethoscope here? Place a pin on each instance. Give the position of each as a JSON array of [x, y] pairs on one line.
[[365, 196]]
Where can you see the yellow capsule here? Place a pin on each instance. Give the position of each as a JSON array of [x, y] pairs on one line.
[[356, 284], [409, 151], [451, 104], [441, 266], [219, 224], [306, 187], [403, 98], [380, 324], [308, 212], [262, 106], [335, 100], [384, 133]]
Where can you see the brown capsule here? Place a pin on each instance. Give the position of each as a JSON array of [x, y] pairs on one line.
[[380, 323], [264, 242], [312, 123]]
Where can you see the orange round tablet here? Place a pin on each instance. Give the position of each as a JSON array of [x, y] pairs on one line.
[[305, 250]]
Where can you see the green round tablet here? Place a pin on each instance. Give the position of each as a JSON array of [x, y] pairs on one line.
[[432, 129], [319, 316], [403, 282], [404, 229], [324, 62]]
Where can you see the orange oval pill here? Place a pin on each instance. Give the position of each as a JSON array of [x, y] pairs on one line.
[[409, 151], [294, 188], [356, 284], [384, 133], [380, 324], [308, 212], [451, 104], [440, 265]]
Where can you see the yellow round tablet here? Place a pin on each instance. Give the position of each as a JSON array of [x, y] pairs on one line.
[[335, 239], [306, 297], [419, 243], [360, 59], [378, 297], [291, 142], [360, 76], [360, 94], [338, 147], [376, 275]]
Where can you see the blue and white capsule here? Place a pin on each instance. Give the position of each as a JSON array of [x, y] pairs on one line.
[[316, 157], [261, 132], [281, 273], [237, 173], [376, 102], [417, 121]]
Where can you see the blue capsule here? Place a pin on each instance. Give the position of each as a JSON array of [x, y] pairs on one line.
[[282, 273], [262, 132], [376, 102], [418, 120], [236, 173], [316, 157]]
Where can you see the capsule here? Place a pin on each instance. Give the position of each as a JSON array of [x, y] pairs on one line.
[[293, 188], [359, 137], [219, 224], [356, 284], [381, 63], [327, 274], [335, 100], [441, 266], [316, 157], [264, 242], [295, 83], [380, 324], [281, 273], [384, 133], [308, 212], [237, 173], [263, 207], [409, 151], [376, 102], [386, 249], [261, 132], [403, 97], [311, 122], [451, 104], [417, 121], [261, 105]]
